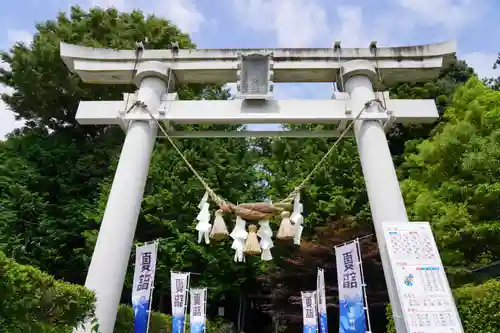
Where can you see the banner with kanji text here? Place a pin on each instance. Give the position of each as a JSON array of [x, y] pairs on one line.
[[145, 265], [179, 286], [351, 302], [197, 311], [309, 311], [321, 295]]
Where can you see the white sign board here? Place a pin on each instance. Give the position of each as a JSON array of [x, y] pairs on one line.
[[422, 285]]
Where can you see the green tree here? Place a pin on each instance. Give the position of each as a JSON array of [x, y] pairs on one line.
[[52, 169], [57, 174], [452, 179], [494, 82], [335, 190], [33, 301], [48, 104], [170, 206], [47, 184], [441, 90]]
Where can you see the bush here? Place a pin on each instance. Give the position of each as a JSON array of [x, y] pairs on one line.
[[160, 323], [33, 301], [478, 306]]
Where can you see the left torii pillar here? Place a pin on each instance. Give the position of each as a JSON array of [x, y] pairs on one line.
[[109, 262]]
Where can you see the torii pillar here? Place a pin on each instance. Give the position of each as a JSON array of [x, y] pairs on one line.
[[109, 263], [382, 186], [357, 67]]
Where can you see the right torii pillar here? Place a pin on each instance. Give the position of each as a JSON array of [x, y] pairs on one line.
[[382, 186]]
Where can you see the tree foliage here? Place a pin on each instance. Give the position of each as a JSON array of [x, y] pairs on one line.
[[452, 179], [440, 90], [48, 183], [53, 104], [57, 174], [52, 170], [159, 323], [33, 301]]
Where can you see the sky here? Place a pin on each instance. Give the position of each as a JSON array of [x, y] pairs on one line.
[[291, 23]]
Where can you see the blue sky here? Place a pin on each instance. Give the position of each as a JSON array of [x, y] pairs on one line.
[[293, 23]]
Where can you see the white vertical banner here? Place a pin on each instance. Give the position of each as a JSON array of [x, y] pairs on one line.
[[179, 286], [321, 295], [198, 310], [145, 266], [309, 311], [351, 302]]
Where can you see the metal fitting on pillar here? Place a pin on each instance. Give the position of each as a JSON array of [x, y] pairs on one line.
[[358, 67], [154, 69], [175, 47], [151, 68]]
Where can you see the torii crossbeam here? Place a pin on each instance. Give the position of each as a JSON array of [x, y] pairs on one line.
[[354, 69]]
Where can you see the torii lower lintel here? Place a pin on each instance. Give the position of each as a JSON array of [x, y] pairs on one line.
[[254, 112]]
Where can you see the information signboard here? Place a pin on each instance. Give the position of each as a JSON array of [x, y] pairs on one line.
[[421, 281]]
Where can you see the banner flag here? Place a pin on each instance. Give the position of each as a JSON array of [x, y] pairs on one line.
[[309, 311], [351, 302], [179, 285], [197, 311], [321, 295], [145, 265]]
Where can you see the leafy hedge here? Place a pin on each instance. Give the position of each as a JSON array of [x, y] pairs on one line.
[[33, 301], [478, 306], [160, 323]]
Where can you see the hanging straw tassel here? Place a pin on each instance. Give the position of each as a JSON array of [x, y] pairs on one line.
[[287, 230], [266, 243], [298, 235], [297, 219], [239, 235], [238, 246], [219, 229], [203, 218], [252, 246]]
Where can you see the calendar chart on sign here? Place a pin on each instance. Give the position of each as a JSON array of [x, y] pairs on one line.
[[421, 281]]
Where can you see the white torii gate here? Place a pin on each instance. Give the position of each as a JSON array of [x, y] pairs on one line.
[[355, 68]]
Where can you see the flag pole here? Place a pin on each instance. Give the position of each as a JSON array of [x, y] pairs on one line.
[[363, 284], [205, 310], [187, 297]]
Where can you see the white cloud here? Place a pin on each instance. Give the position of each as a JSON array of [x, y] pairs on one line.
[[118, 4], [183, 13], [453, 15], [482, 63], [23, 36], [313, 23], [7, 120], [296, 23], [352, 31]]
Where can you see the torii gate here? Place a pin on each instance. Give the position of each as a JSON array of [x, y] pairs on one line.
[[355, 68]]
